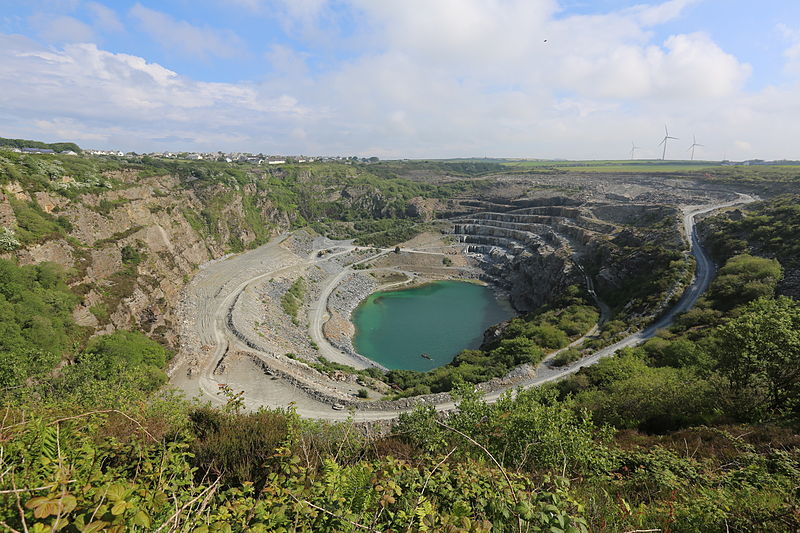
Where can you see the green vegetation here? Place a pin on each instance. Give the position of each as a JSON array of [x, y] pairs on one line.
[[383, 233], [720, 361], [330, 367], [8, 240], [23, 143], [532, 462], [766, 228], [568, 356], [293, 298], [38, 332], [745, 278], [337, 200], [126, 351], [64, 175], [758, 352], [36, 325], [33, 224]]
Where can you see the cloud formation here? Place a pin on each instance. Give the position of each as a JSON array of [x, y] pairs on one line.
[[420, 79], [185, 38], [55, 28]]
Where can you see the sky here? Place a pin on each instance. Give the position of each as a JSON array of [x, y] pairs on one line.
[[575, 79]]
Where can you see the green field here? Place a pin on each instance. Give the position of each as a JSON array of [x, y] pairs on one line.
[[642, 165]]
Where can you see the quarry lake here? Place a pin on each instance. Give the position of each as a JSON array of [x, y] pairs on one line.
[[439, 319]]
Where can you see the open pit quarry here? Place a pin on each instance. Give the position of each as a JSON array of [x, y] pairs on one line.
[[234, 331]]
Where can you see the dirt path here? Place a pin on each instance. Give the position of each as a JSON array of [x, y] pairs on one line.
[[216, 288]]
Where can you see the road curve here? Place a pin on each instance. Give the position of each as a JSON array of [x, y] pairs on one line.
[[224, 339]]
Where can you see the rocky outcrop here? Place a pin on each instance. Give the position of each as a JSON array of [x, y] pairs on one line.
[[531, 247], [156, 223]]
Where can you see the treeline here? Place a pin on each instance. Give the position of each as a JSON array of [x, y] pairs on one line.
[[24, 143]]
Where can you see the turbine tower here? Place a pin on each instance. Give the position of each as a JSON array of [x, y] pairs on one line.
[[633, 149], [694, 144], [664, 142]]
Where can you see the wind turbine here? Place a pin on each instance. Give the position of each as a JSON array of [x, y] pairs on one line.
[[694, 144], [633, 149], [664, 142]]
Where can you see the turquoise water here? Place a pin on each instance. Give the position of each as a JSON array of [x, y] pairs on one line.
[[439, 319]]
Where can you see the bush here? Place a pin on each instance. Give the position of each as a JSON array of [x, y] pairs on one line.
[[745, 278], [237, 447], [126, 351], [567, 357], [8, 240], [655, 400]]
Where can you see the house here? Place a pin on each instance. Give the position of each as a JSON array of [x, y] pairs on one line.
[[276, 162], [68, 152], [38, 151]]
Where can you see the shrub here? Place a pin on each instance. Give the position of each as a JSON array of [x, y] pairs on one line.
[[237, 447], [8, 240], [566, 357]]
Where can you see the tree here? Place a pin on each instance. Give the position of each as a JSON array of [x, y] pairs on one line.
[[745, 278], [759, 353]]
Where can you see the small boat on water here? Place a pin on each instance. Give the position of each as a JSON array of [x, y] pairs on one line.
[[426, 356]]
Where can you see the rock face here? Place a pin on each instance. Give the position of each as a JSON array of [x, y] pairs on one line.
[[536, 248], [129, 252], [528, 250]]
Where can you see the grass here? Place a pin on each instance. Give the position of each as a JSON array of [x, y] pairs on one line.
[[619, 166], [293, 298]]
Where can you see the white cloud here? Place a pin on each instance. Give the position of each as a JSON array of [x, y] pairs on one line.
[[421, 79], [792, 53], [652, 15], [112, 96], [182, 37], [61, 28], [104, 19]]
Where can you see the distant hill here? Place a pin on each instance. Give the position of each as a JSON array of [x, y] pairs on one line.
[[24, 143]]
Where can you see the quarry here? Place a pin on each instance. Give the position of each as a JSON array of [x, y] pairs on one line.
[[528, 247]]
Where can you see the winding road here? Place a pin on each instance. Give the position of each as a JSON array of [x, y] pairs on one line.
[[219, 285]]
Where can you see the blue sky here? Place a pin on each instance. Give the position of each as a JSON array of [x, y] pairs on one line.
[[411, 78]]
